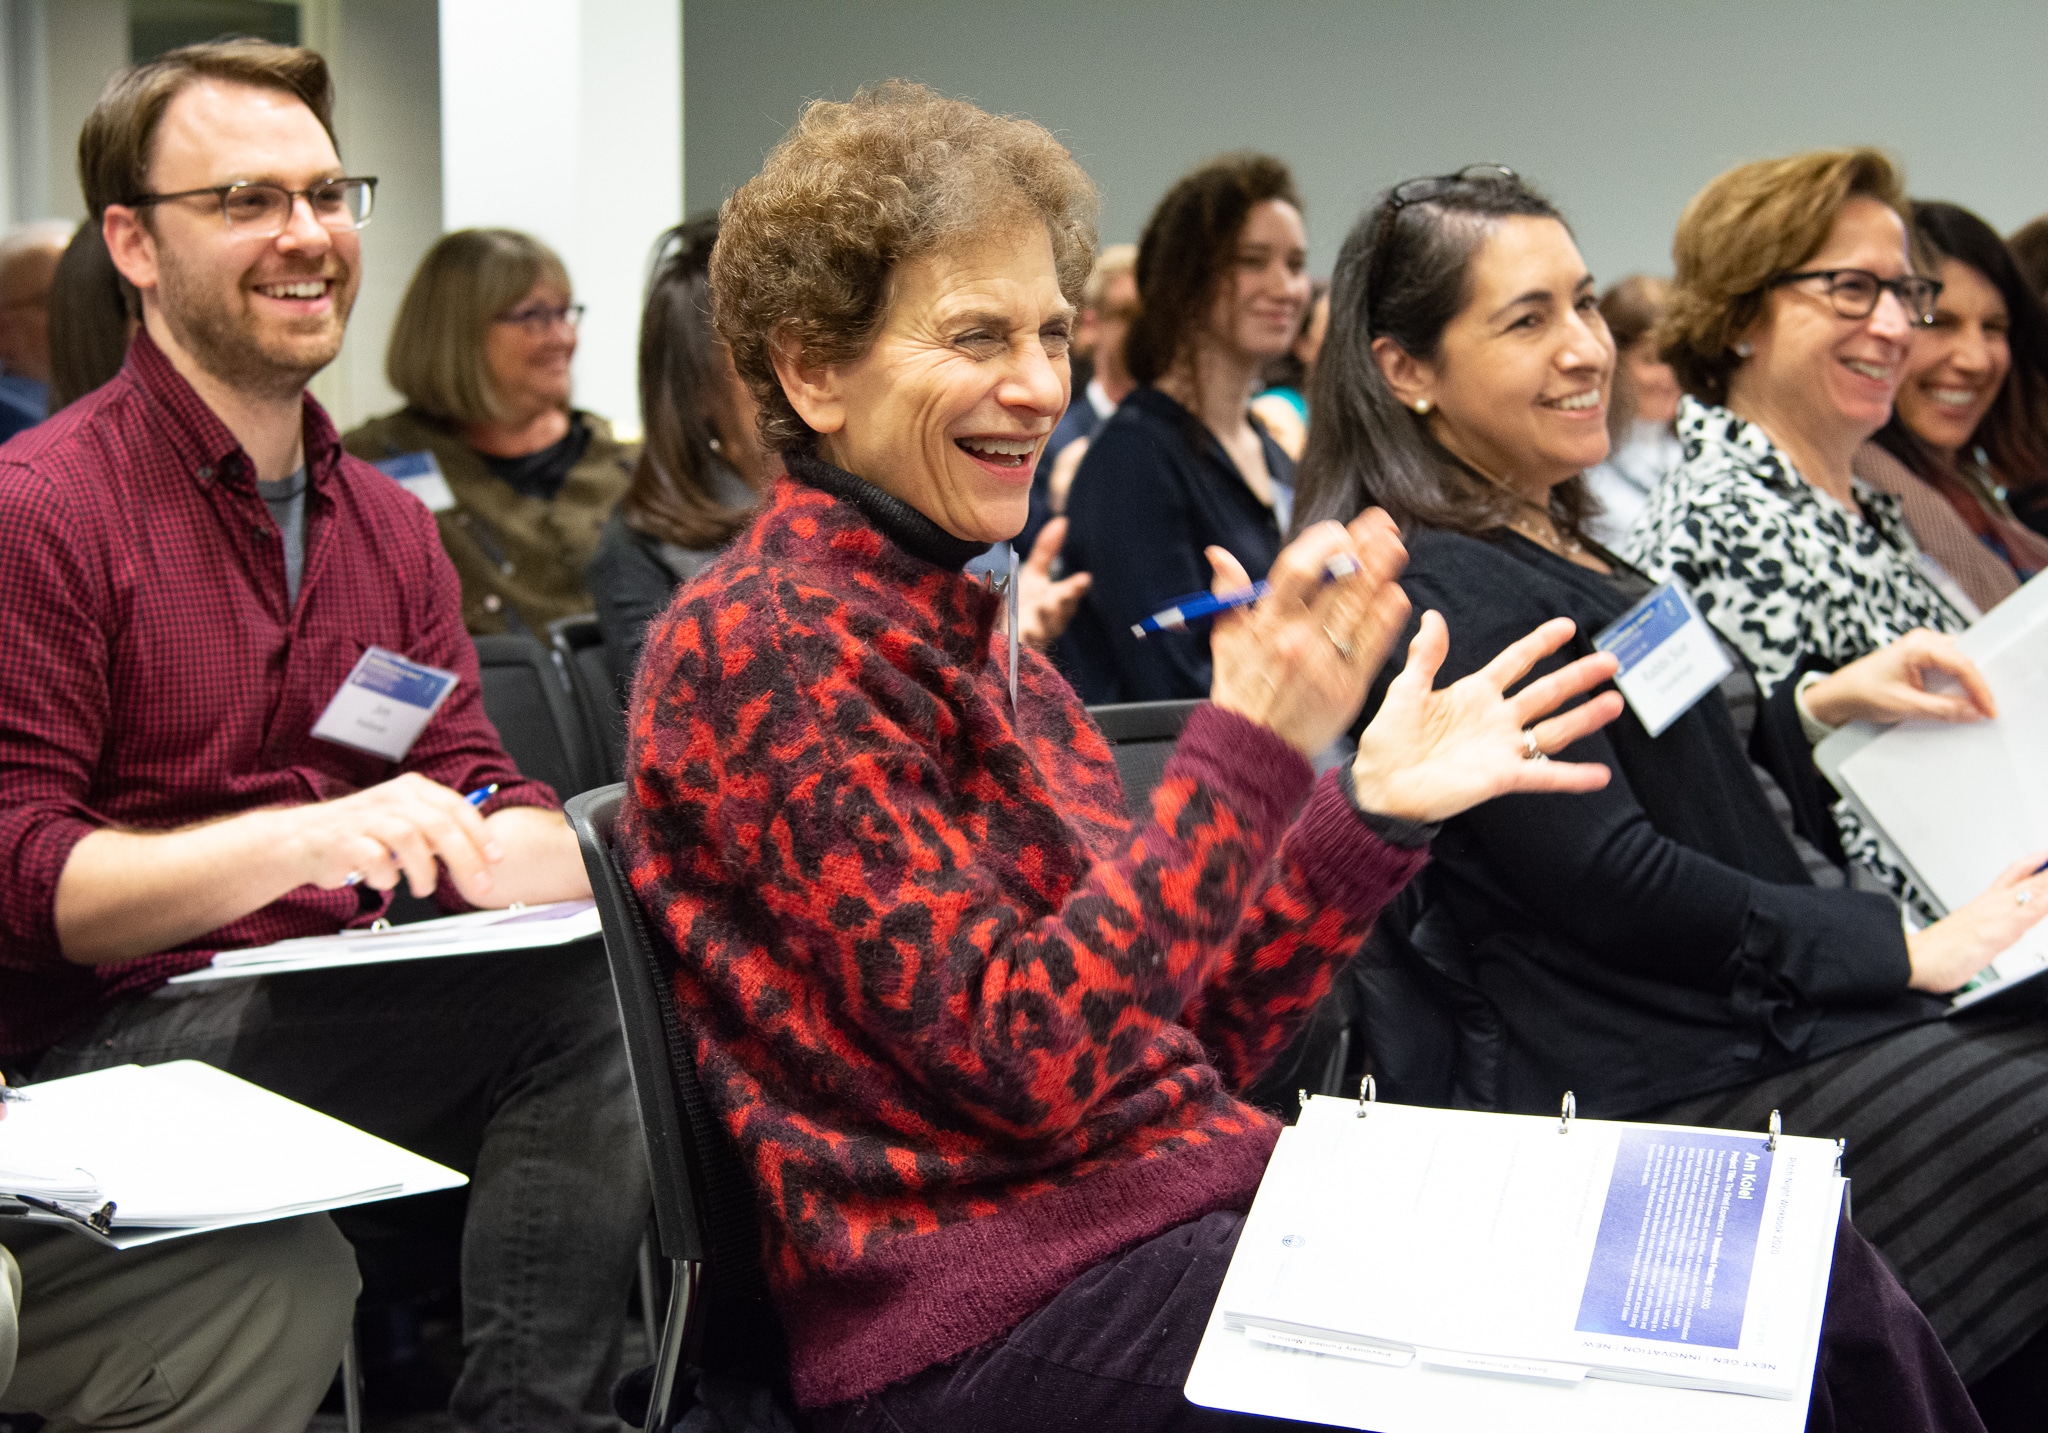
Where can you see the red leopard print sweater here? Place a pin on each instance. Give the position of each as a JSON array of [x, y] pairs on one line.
[[970, 1030]]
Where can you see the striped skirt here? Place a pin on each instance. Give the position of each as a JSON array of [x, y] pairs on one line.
[[1947, 1130]]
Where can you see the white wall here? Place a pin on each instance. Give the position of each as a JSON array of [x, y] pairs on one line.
[[564, 118], [385, 55], [1620, 109]]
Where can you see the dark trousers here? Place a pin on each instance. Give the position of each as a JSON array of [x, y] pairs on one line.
[[510, 1068], [1113, 1349]]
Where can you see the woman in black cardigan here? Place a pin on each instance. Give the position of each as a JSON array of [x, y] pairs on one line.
[[1671, 947]]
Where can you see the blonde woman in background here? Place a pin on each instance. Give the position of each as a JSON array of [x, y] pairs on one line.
[[481, 351]]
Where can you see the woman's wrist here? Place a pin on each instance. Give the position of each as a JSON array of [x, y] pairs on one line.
[[1396, 831], [1818, 717]]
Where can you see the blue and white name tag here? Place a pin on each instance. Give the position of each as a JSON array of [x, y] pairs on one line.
[[420, 474], [385, 704], [1670, 657]]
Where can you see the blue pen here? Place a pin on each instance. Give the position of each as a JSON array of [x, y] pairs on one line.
[[1202, 606], [475, 798]]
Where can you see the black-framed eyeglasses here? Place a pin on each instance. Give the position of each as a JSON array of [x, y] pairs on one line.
[[1414, 191], [539, 318], [258, 209], [1855, 293]]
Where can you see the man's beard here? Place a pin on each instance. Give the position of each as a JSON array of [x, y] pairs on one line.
[[224, 341]]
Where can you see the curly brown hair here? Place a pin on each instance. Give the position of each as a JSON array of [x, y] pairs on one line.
[[1187, 245], [1744, 229], [807, 246]]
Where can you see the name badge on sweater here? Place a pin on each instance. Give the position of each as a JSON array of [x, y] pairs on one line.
[[384, 704], [1670, 657], [420, 474]]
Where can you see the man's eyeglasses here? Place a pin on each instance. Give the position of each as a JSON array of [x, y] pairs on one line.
[[539, 318], [259, 210], [1854, 293]]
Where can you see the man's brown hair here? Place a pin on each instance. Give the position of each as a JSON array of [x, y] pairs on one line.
[[115, 146], [1744, 229]]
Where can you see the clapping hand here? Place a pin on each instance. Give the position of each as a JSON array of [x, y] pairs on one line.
[[1045, 607], [1429, 755]]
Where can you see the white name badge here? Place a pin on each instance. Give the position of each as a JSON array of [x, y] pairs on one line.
[[420, 474], [384, 704], [1670, 657]]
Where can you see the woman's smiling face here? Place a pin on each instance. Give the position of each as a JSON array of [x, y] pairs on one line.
[[1520, 382], [951, 405], [1958, 365]]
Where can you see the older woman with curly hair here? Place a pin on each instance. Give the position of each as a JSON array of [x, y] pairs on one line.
[[974, 1031]]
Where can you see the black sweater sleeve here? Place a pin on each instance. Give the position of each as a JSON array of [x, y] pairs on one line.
[[1597, 870], [630, 588]]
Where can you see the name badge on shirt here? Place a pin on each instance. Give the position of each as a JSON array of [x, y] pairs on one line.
[[420, 474], [1670, 657], [384, 704]]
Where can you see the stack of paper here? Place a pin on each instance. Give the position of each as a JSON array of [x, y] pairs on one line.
[[475, 933], [1959, 803], [183, 1146], [1435, 1269]]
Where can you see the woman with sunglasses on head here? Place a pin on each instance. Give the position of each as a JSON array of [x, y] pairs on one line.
[[1969, 429], [1184, 465], [1667, 947], [481, 350], [1790, 326]]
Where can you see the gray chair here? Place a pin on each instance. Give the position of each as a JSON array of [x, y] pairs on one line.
[[1141, 736], [719, 1317], [578, 645], [526, 695]]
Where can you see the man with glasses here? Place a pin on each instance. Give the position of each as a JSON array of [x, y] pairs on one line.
[[194, 570], [28, 266]]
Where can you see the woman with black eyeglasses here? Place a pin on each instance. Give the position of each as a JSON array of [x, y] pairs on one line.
[[1790, 324], [481, 350]]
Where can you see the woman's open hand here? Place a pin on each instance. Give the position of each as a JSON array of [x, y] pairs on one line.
[[1970, 937], [1046, 606], [1890, 685], [1430, 754], [1301, 660]]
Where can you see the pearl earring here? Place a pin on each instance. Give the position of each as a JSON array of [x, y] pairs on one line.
[[1422, 405], [1743, 350]]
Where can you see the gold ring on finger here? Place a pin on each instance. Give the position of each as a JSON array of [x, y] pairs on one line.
[[1346, 650], [1530, 750]]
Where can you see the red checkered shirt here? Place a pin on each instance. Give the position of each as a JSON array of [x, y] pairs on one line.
[[155, 674]]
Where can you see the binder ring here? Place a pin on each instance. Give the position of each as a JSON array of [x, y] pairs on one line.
[[1570, 1112], [1777, 1128], [1368, 1096], [379, 924]]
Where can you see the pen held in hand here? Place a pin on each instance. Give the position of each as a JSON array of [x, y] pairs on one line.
[[475, 798], [1203, 606]]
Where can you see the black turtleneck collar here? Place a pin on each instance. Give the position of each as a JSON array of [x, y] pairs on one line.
[[901, 523]]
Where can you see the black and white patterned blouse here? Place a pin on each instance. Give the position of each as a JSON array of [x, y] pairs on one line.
[[1781, 569]]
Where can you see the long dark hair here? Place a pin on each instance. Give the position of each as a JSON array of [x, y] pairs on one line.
[[2011, 432], [1187, 246], [685, 398], [1404, 273], [91, 318]]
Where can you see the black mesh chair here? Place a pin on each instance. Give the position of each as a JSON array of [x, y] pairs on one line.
[[578, 645], [719, 1317], [1142, 734], [526, 696]]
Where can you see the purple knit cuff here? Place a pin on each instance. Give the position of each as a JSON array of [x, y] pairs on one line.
[[1348, 867], [1252, 766]]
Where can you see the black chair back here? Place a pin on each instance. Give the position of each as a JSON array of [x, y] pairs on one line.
[[526, 696], [706, 1218], [578, 644], [1142, 734]]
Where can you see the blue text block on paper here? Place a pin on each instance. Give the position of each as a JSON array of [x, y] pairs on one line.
[[1677, 1238]]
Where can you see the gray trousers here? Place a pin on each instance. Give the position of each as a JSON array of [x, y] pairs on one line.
[[510, 1068], [241, 1329]]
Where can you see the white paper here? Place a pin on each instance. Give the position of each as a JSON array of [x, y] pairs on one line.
[[1233, 1372], [472, 933], [183, 1145]]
